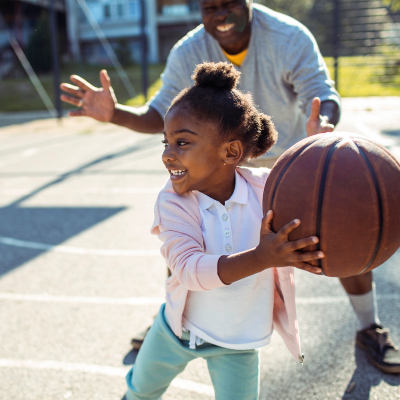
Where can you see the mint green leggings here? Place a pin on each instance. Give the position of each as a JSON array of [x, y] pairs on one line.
[[234, 373]]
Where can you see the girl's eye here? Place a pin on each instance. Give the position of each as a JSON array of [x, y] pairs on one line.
[[164, 142], [180, 143]]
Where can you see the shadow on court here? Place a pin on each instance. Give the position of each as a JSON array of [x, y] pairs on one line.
[[53, 225], [365, 377]]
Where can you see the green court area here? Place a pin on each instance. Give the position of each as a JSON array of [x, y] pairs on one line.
[[358, 77]]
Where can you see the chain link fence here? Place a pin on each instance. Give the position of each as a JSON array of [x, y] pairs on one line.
[[359, 39]]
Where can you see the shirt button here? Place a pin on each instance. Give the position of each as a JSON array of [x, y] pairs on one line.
[[227, 233], [228, 206], [228, 247], [225, 217]]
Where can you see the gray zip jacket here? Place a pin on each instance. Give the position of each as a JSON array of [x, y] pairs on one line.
[[283, 70]]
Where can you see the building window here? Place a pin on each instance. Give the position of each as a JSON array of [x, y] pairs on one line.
[[107, 11], [174, 7], [134, 9], [120, 10]]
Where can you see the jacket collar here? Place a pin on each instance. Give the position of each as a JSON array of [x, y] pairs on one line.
[[240, 194]]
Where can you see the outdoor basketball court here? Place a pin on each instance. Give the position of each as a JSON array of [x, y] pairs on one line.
[[80, 273]]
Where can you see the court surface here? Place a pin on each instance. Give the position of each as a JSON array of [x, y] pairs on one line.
[[80, 273]]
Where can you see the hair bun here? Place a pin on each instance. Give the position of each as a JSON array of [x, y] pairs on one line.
[[219, 75]]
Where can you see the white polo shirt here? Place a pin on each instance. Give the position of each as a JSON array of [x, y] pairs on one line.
[[238, 316]]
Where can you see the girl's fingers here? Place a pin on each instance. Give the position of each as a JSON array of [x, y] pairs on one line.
[[71, 100], [74, 90], [283, 233], [307, 256], [301, 243], [309, 268], [84, 85], [266, 222], [78, 113]]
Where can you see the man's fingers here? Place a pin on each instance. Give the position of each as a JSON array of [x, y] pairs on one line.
[[74, 90], [105, 80], [78, 113], [326, 128], [315, 107], [283, 233], [84, 85], [71, 100]]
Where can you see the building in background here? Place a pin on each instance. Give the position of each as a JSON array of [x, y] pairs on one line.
[[120, 20], [22, 18]]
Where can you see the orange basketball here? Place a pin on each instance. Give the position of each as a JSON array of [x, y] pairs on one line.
[[345, 189]]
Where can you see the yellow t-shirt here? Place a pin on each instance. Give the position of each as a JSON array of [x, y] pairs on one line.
[[236, 59]]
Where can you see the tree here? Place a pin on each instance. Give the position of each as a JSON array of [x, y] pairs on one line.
[[38, 49], [392, 5], [297, 9]]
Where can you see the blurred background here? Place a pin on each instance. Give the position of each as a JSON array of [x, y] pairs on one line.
[[42, 42]]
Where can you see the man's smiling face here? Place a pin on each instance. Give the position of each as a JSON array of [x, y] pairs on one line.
[[228, 22]]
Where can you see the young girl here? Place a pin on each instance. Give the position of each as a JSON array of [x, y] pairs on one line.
[[230, 284]]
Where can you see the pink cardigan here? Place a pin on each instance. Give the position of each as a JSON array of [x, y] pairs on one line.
[[177, 222]]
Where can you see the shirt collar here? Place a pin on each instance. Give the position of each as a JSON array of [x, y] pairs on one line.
[[239, 195]]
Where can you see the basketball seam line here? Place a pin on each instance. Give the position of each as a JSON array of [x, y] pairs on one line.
[[365, 139], [283, 172], [321, 197], [380, 207]]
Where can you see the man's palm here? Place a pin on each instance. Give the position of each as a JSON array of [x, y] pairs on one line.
[[98, 103], [315, 123]]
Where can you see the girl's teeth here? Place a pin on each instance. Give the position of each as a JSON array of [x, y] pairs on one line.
[[178, 172]]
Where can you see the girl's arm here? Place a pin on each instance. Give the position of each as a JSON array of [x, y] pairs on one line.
[[274, 250]]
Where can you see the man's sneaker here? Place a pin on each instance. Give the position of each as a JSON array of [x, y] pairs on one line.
[[381, 351], [137, 341]]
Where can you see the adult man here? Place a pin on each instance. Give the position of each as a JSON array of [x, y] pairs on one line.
[[282, 67]]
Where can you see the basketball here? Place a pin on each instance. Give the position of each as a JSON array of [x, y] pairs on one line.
[[345, 189]]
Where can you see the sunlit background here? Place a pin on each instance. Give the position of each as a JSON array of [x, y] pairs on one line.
[[359, 39]]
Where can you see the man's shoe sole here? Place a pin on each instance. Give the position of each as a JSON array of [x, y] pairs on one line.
[[385, 368]]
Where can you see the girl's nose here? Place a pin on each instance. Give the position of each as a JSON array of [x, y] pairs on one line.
[[168, 154]]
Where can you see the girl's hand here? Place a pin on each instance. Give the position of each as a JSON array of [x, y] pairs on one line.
[[276, 250]]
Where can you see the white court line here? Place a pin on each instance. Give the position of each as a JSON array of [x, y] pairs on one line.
[[76, 250], [143, 301], [114, 190], [99, 370], [339, 299], [47, 298], [29, 152]]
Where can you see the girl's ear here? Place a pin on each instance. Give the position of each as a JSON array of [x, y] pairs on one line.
[[234, 152]]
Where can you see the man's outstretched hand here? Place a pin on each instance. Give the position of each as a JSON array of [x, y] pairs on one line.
[[317, 123], [98, 103]]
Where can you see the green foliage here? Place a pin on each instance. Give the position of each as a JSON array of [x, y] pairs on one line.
[[38, 50], [123, 52], [298, 9], [392, 5]]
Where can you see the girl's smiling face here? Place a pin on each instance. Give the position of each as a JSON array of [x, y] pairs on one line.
[[194, 156]]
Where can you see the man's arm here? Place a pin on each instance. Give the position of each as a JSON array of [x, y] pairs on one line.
[[329, 110], [101, 104], [144, 119]]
